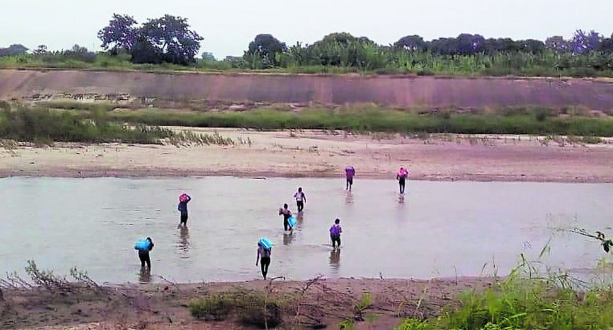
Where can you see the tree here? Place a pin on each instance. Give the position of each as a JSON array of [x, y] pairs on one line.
[[558, 44], [342, 38], [267, 48], [532, 46], [443, 46], [411, 43], [468, 44], [586, 42], [207, 56], [165, 39], [40, 50], [120, 34], [171, 38], [13, 50], [606, 45], [80, 53]]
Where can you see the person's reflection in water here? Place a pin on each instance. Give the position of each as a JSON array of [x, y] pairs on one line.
[[184, 239], [144, 276], [348, 197], [401, 199], [300, 218], [335, 260], [288, 238]]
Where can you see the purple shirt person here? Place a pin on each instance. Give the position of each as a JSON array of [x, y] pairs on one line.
[[349, 174], [335, 233]]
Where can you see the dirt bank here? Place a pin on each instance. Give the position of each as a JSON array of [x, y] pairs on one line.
[[325, 154], [401, 91], [316, 302]]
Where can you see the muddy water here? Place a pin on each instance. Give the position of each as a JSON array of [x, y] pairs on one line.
[[439, 229]]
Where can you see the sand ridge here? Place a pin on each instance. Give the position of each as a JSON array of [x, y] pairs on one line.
[[324, 154]]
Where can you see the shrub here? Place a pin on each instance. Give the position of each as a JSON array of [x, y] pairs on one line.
[[250, 307], [214, 307]]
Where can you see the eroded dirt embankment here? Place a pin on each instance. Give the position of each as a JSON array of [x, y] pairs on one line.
[[402, 91]]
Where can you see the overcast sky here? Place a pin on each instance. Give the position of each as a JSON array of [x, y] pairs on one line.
[[228, 26]]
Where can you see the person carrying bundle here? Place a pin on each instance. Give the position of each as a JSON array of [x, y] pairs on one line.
[[335, 233], [263, 255], [349, 174], [287, 214], [401, 176], [144, 246], [183, 200]]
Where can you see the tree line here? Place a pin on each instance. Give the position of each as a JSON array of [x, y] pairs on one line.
[[169, 39]]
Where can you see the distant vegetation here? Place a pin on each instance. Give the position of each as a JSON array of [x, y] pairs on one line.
[[168, 43]]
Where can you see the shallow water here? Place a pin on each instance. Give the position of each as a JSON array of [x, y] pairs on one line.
[[438, 229]]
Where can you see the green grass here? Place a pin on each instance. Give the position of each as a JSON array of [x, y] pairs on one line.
[[527, 300], [72, 105], [377, 119], [44, 126], [525, 304], [95, 123]]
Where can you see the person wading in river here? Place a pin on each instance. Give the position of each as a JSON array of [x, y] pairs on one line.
[[300, 199], [335, 233], [143, 252], [349, 174], [264, 258], [286, 213], [401, 176], [183, 200]]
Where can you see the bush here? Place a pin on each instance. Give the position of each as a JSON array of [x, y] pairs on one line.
[[258, 311], [44, 127], [214, 307], [250, 308]]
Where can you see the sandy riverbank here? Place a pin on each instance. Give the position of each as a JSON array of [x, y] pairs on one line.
[[164, 306], [324, 154]]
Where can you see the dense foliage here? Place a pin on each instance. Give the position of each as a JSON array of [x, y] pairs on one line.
[[169, 43], [166, 39]]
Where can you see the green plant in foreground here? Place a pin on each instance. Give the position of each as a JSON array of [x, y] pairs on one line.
[[413, 324], [524, 303]]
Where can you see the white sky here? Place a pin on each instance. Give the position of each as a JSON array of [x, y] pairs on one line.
[[229, 26]]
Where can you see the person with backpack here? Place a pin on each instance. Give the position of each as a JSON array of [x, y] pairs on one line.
[[183, 200], [263, 257], [401, 176], [349, 174], [335, 233], [300, 199], [144, 247], [286, 213]]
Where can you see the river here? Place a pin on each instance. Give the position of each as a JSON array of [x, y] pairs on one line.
[[438, 229]]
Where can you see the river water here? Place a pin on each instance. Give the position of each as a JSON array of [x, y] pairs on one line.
[[438, 229]]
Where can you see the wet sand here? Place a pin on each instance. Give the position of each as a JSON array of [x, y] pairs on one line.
[[325, 154], [164, 306]]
